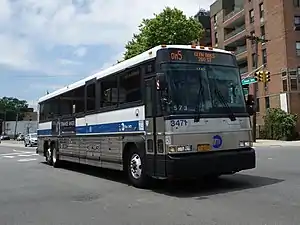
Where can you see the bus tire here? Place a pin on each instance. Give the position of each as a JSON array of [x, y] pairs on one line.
[[48, 155], [136, 168]]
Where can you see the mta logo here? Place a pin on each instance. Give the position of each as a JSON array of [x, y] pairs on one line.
[[217, 141]]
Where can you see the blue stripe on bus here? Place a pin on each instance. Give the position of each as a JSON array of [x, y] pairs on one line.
[[109, 128], [129, 126], [44, 132]]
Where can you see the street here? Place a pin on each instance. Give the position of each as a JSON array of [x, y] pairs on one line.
[[34, 193]]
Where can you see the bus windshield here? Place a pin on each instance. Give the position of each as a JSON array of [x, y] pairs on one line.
[[203, 88]]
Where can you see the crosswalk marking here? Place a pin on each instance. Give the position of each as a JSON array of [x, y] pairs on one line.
[[20, 156]]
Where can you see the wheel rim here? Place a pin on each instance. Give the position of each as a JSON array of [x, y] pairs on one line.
[[49, 154], [136, 166], [54, 155]]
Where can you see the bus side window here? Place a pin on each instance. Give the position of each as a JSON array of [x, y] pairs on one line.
[[130, 86], [148, 98], [109, 91]]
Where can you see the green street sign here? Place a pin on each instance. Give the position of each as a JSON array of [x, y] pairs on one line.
[[249, 80], [245, 91]]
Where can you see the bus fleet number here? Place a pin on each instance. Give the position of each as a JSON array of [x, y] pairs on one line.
[[179, 123]]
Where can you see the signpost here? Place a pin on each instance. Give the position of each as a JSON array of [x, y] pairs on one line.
[[249, 80]]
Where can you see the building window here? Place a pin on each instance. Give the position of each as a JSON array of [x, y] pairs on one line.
[[215, 19], [297, 20], [252, 34], [253, 60], [261, 10], [297, 23], [216, 37], [267, 101], [298, 48], [264, 56], [257, 105], [294, 85], [262, 32], [284, 85], [297, 3], [251, 16]]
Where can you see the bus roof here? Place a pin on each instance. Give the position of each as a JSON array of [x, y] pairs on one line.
[[149, 54]]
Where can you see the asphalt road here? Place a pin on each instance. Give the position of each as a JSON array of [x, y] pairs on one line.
[[34, 193]]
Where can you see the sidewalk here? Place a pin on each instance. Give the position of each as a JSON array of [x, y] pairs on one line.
[[261, 142]]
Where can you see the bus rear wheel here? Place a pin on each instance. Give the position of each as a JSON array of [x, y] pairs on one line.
[[136, 169]]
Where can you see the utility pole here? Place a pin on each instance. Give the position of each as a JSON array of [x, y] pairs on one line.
[[256, 40]]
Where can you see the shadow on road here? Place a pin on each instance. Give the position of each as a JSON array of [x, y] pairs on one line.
[[203, 188], [102, 173], [182, 189]]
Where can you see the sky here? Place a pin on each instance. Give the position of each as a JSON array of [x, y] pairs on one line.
[[48, 44]]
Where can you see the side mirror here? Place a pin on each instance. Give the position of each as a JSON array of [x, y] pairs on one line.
[[161, 83], [250, 100]]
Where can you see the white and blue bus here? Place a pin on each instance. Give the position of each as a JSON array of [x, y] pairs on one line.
[[172, 112]]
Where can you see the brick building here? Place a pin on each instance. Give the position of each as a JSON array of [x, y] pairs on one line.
[[278, 21]]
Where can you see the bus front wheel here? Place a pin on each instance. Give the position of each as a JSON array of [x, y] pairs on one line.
[[136, 169]]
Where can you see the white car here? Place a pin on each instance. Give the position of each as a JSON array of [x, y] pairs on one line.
[[30, 140]]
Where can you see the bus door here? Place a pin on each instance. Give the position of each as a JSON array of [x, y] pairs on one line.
[[155, 162]]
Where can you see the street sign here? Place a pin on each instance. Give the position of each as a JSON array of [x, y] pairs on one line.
[[249, 80]]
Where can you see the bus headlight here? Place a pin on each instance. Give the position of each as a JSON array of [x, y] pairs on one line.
[[180, 148]]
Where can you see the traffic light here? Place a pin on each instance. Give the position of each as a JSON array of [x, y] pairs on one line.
[[267, 76], [263, 76], [260, 76]]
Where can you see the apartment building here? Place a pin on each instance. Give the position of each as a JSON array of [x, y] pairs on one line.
[[203, 16], [277, 21]]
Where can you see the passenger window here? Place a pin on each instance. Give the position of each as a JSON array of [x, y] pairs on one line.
[[91, 97], [130, 86], [109, 91]]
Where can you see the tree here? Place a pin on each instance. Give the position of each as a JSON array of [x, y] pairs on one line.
[[9, 107], [169, 27], [279, 125]]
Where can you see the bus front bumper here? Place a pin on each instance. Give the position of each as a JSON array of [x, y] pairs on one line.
[[195, 165]]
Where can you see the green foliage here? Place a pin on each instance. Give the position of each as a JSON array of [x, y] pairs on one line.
[[279, 125], [169, 27], [9, 107]]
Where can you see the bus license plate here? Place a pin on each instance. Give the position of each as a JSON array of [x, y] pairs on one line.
[[203, 147]]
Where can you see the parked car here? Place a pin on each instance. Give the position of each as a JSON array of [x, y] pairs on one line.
[[4, 137], [30, 139], [20, 137]]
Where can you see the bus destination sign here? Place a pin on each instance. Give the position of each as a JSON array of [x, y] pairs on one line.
[[196, 56]]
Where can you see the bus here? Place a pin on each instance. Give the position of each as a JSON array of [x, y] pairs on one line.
[[172, 112]]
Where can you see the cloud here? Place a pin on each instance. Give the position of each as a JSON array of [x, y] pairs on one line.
[[15, 52], [80, 52], [68, 62]]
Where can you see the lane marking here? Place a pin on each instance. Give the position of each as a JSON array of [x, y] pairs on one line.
[[26, 152], [25, 155], [8, 156], [26, 160]]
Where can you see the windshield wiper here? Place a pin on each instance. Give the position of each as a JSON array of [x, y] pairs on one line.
[[200, 92], [232, 117]]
